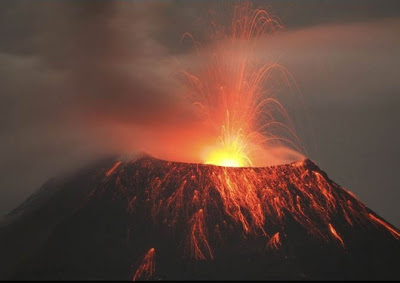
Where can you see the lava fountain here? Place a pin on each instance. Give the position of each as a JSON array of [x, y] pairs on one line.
[[235, 94]]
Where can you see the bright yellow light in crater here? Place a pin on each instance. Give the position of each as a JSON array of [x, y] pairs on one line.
[[231, 149], [227, 158]]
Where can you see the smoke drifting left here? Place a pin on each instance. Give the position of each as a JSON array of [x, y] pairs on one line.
[[79, 79], [71, 72], [121, 77]]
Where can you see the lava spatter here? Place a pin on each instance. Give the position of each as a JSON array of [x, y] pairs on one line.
[[193, 199], [147, 267]]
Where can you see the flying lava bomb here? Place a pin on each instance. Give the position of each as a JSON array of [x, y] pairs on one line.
[[251, 206], [234, 94]]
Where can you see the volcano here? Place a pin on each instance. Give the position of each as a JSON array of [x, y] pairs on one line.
[[146, 218]]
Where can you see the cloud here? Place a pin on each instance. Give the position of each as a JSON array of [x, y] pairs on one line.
[[348, 61], [69, 73]]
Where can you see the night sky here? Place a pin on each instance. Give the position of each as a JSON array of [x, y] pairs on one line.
[[82, 80]]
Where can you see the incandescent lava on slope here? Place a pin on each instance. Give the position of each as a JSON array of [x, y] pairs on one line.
[[205, 204], [153, 219], [203, 200]]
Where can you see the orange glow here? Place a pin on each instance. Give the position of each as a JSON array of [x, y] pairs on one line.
[[336, 235], [113, 168], [274, 242], [200, 248], [225, 159], [147, 267], [395, 233], [234, 93], [207, 199], [230, 155]]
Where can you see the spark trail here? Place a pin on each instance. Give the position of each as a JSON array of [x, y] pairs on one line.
[[236, 94], [202, 202]]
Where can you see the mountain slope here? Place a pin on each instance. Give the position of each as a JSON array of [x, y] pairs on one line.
[[152, 219]]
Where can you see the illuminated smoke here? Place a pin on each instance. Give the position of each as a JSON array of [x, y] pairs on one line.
[[235, 95]]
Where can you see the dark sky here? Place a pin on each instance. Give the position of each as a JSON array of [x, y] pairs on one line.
[[72, 70]]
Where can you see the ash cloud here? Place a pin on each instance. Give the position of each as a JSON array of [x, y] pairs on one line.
[[69, 71], [83, 80]]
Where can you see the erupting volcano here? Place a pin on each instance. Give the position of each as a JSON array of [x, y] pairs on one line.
[[242, 211]]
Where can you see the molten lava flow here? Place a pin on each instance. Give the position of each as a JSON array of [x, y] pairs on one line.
[[200, 248], [336, 235], [113, 168], [235, 94], [395, 233], [274, 242], [205, 203], [147, 267]]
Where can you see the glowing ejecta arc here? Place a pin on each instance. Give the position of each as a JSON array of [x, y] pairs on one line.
[[235, 95]]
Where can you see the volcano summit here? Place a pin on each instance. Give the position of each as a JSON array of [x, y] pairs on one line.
[[152, 219]]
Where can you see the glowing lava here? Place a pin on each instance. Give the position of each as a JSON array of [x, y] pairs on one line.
[[225, 159], [235, 93], [203, 204], [228, 154], [147, 267]]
